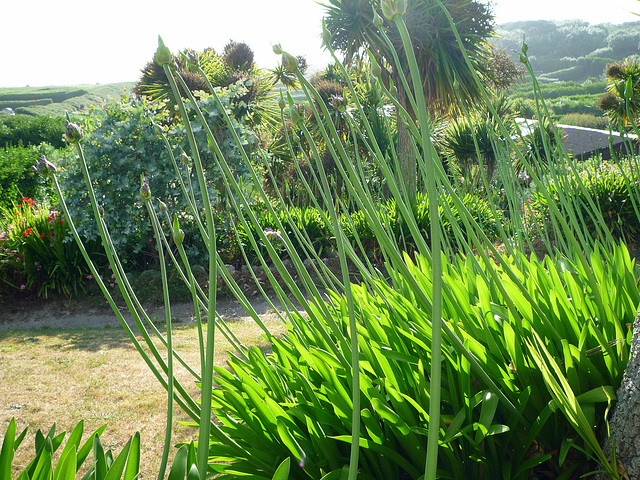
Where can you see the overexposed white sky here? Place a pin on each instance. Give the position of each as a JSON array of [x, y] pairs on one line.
[[87, 41]]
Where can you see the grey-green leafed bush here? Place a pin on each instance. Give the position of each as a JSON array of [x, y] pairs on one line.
[[122, 141]]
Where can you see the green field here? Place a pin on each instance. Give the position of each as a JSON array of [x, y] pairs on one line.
[[57, 100]]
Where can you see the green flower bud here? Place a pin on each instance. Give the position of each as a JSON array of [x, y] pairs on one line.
[[163, 54], [628, 89], [393, 90], [145, 190], [297, 113], [101, 210], [523, 58], [289, 62], [326, 35], [178, 234], [73, 133], [377, 19], [281, 102], [277, 49], [525, 47], [391, 8], [162, 206], [44, 166], [193, 61], [184, 158]]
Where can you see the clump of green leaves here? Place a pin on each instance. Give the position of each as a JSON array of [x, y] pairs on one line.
[[603, 195], [72, 457], [296, 402]]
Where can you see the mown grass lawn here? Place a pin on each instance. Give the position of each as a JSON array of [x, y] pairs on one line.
[[96, 375]]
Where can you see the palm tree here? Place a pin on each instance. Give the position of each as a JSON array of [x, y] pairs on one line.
[[440, 59]]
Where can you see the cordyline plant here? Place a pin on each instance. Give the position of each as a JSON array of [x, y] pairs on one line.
[[446, 363]]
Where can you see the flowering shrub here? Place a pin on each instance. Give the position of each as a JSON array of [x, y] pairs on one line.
[[37, 252]]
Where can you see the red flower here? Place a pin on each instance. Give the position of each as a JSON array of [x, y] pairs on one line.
[[42, 235], [24, 199], [24, 234]]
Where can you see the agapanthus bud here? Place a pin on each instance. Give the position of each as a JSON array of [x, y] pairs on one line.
[[162, 206], [184, 158], [44, 166], [393, 90], [338, 103], [297, 113], [159, 129], [178, 234], [523, 58], [145, 190], [628, 89], [289, 62], [392, 8], [525, 47], [281, 102], [101, 210], [73, 133], [163, 54], [277, 49], [326, 35], [377, 19], [193, 61]]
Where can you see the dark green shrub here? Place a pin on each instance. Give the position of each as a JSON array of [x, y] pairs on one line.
[[584, 120], [357, 225], [314, 234], [17, 179], [29, 130], [612, 188]]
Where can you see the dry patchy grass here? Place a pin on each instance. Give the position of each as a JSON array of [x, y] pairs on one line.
[[96, 375]]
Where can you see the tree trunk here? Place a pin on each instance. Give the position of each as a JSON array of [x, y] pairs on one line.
[[625, 422], [407, 164]]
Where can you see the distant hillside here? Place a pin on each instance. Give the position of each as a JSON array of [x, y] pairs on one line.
[[56, 101], [571, 50]]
